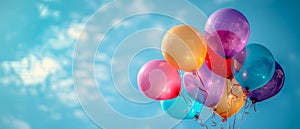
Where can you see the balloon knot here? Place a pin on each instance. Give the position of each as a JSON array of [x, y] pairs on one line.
[[254, 101], [230, 77], [247, 88], [194, 72], [224, 120]]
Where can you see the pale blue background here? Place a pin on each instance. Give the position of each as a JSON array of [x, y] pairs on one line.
[[34, 34]]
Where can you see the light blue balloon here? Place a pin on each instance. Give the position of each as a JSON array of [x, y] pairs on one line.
[[181, 107], [253, 67]]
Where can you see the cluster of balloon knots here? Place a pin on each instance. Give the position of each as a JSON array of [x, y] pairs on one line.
[[219, 70]]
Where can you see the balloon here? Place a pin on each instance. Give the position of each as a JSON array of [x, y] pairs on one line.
[[184, 47], [226, 32], [159, 80], [218, 65], [253, 66], [232, 100], [210, 91], [182, 107], [271, 88]]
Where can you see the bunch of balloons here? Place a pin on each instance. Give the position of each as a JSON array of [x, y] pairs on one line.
[[220, 70]]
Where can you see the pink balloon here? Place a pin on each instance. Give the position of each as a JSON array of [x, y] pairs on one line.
[[208, 90], [159, 80]]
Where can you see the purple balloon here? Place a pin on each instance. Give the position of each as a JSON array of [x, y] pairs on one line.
[[271, 88], [227, 32], [205, 86]]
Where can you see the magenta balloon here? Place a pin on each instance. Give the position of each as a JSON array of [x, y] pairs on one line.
[[159, 80], [227, 32], [210, 92]]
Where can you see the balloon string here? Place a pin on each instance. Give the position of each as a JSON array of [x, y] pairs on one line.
[[222, 126], [201, 122], [186, 102], [234, 121], [184, 99], [214, 123], [254, 107], [214, 115], [201, 83], [245, 107], [189, 100]]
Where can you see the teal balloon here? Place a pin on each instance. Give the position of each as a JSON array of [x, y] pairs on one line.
[[181, 107], [253, 67]]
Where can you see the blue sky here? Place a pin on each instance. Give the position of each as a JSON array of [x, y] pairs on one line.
[[38, 41]]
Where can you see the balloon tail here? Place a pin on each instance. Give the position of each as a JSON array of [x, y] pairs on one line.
[[224, 120], [214, 123], [247, 105], [202, 124], [222, 125], [254, 107], [201, 83], [214, 115]]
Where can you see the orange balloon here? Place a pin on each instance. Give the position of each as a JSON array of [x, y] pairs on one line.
[[184, 47], [232, 100]]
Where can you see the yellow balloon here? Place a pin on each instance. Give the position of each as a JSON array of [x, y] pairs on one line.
[[232, 100], [184, 47]]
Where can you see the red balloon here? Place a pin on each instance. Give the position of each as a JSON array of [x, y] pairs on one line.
[[218, 64]]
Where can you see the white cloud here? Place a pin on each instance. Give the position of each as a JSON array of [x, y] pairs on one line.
[[159, 25], [31, 70], [181, 14], [46, 12], [59, 38], [56, 116], [15, 123], [46, 71], [101, 57], [74, 31], [79, 114], [120, 23], [101, 71], [141, 6], [43, 108]]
